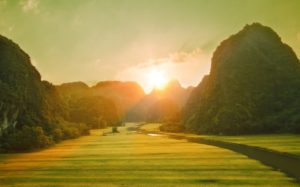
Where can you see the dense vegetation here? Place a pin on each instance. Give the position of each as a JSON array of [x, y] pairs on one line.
[[32, 112], [136, 160], [36, 114], [110, 103], [163, 110], [102, 105], [253, 87]]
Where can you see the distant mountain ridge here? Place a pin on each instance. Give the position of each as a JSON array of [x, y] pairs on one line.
[[173, 90], [123, 94], [253, 87], [160, 103], [129, 99]]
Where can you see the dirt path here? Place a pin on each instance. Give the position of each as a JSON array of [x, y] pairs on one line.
[[287, 163]]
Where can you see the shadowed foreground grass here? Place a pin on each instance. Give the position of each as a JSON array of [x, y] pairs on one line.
[[131, 159], [286, 143]]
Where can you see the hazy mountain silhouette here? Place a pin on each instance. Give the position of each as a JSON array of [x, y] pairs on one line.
[[174, 91], [101, 105], [253, 87], [124, 94], [160, 103], [73, 90]]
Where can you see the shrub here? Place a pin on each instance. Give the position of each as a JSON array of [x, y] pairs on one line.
[[84, 129], [57, 135], [28, 138]]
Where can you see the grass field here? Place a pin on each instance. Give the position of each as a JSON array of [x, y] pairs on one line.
[[288, 143], [131, 159]]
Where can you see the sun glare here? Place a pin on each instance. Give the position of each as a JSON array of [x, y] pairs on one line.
[[157, 79]]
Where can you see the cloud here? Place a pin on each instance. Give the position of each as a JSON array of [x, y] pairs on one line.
[[176, 57], [187, 67], [182, 57], [153, 62], [30, 6]]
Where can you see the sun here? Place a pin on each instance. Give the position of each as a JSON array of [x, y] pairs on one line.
[[157, 79]]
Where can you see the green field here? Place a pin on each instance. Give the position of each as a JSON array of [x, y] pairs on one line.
[[132, 159], [287, 143]]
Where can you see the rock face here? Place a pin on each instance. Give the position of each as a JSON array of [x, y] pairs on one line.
[[32, 113], [21, 89], [253, 87]]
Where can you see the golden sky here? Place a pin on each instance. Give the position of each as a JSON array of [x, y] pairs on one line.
[[94, 40]]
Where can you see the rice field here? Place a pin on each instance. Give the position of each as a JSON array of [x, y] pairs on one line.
[[287, 143], [132, 159]]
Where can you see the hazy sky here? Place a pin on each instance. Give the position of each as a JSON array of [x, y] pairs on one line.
[[93, 40]]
